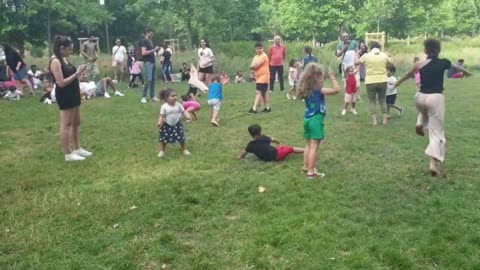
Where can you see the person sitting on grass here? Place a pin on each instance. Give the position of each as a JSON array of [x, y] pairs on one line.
[[35, 77], [185, 71], [239, 77], [454, 73], [224, 78], [89, 89], [260, 146]]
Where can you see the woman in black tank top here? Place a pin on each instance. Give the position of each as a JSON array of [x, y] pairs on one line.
[[67, 92], [430, 102]]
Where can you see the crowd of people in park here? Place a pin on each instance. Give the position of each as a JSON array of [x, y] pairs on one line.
[[67, 85]]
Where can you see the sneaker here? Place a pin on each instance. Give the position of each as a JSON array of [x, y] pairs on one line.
[[118, 93], [267, 110], [186, 153], [354, 111], [161, 154], [288, 96], [47, 101], [214, 122], [344, 112], [155, 99], [73, 157], [143, 100], [252, 111], [294, 97], [82, 152], [315, 175], [106, 95]]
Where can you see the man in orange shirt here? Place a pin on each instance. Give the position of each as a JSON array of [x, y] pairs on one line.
[[277, 54], [260, 65]]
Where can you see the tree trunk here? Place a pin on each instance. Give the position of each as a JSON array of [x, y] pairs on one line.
[[189, 26], [408, 40], [378, 25], [108, 37], [49, 32]]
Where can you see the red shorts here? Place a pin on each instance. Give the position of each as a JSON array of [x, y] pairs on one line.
[[283, 151]]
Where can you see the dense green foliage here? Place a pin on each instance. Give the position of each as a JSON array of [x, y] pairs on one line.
[[37, 21]]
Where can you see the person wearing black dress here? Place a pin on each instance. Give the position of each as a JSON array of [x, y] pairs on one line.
[[67, 91]]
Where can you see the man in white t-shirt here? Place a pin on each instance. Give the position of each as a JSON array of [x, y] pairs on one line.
[[119, 57], [34, 75]]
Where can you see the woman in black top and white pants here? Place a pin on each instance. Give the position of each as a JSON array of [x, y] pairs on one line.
[[430, 102], [67, 92]]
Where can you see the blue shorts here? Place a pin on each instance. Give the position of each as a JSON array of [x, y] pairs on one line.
[[391, 99], [20, 74]]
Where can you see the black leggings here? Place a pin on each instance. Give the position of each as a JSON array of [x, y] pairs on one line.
[[134, 76]]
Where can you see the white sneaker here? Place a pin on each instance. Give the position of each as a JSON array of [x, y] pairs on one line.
[[143, 100], [155, 99], [294, 97], [82, 152], [73, 157], [187, 153], [288, 96], [106, 95], [344, 112], [161, 154], [354, 111], [119, 94]]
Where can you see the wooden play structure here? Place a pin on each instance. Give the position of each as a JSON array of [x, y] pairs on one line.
[[174, 44], [379, 37]]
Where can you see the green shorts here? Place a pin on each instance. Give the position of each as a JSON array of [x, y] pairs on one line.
[[314, 128]]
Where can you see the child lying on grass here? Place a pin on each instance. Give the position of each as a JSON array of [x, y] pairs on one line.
[[260, 146]]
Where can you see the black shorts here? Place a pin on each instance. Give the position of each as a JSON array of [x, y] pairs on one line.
[[391, 99], [262, 87], [192, 90], [208, 70]]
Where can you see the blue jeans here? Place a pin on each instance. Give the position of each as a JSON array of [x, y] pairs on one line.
[[167, 70], [150, 79]]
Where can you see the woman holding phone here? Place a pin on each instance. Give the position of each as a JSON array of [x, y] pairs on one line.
[[67, 90]]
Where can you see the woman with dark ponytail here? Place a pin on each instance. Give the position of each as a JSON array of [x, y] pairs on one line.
[[308, 57], [67, 91]]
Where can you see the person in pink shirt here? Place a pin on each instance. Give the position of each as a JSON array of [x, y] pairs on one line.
[[191, 105], [276, 55], [135, 72]]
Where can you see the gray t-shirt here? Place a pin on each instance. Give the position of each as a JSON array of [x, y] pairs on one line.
[[89, 48], [172, 114]]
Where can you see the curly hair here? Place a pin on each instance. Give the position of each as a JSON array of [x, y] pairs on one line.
[[432, 47], [313, 78]]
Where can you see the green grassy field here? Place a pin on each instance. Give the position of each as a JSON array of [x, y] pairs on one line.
[[124, 208]]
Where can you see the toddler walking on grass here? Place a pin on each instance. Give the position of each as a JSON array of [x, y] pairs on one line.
[[392, 91], [171, 129], [215, 97], [350, 91], [293, 79]]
